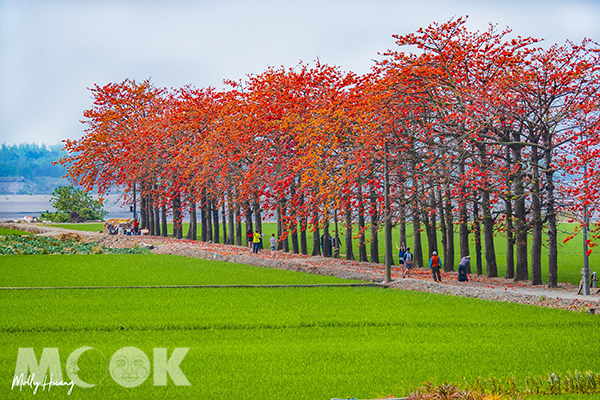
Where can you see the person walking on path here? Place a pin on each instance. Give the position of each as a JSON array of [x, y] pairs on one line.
[[256, 242], [273, 242], [435, 264], [260, 242], [401, 258], [250, 239], [462, 269], [408, 258]]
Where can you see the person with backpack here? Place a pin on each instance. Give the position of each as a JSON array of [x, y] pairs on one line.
[[435, 264], [408, 258], [401, 258]]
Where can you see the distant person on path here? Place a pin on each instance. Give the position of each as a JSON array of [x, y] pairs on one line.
[[435, 264], [336, 246], [330, 248], [256, 242], [462, 269], [260, 242], [250, 239], [401, 258], [408, 258], [273, 242], [136, 227]]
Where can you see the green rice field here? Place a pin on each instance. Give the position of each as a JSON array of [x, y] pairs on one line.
[[270, 343]]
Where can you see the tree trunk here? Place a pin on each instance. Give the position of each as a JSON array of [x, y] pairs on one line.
[[257, 214], [282, 241], [224, 221], [209, 227], [488, 236], [374, 226], [303, 227], [248, 214], [238, 226], [429, 218], [443, 228], [294, 235], [165, 226], [536, 221], [303, 238], [203, 216], [143, 211], [508, 210], [336, 237], [551, 213], [151, 215], [477, 233], [362, 248], [402, 220], [284, 227], [294, 219], [326, 240], [215, 209], [316, 234], [191, 235], [449, 258], [349, 248], [231, 218], [463, 222], [156, 215], [521, 273], [418, 261], [177, 229]]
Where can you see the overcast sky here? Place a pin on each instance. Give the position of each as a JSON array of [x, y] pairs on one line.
[[52, 51]]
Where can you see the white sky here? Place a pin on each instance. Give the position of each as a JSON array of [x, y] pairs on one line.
[[52, 51]]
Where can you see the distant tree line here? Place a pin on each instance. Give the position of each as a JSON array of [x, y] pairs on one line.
[[26, 168]]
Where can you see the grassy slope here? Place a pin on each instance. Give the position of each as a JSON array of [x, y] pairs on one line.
[[4, 232]]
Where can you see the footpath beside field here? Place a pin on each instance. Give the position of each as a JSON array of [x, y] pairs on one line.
[[498, 289]]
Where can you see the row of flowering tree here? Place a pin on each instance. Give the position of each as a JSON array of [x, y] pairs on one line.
[[474, 132]]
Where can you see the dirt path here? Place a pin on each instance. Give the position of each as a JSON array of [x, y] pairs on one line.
[[498, 289]]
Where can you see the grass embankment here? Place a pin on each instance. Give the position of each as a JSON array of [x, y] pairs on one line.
[[6, 232], [570, 255], [301, 343]]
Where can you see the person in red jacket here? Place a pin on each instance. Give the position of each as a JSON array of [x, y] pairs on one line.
[[435, 264]]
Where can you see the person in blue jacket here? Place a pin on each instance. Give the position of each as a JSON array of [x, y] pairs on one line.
[[435, 264]]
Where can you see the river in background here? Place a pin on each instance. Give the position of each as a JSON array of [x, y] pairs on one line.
[[19, 206]]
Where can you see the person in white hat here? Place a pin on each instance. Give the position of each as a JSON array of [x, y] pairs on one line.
[[435, 264]]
